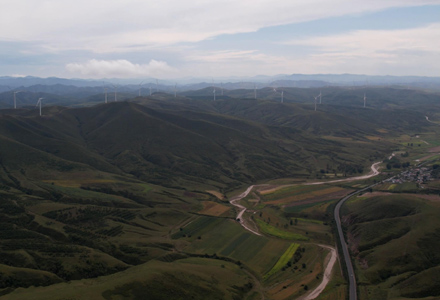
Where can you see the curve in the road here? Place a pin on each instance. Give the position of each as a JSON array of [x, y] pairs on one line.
[[241, 209], [352, 280], [374, 172], [327, 273]]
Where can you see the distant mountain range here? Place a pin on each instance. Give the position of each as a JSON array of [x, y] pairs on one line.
[[185, 84]]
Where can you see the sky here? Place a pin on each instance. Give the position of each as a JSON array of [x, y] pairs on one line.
[[218, 38]]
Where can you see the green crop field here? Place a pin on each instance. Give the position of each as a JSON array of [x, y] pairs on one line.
[[273, 231], [197, 227], [283, 260], [293, 191]]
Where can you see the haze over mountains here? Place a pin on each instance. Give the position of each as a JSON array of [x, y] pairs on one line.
[[285, 80]]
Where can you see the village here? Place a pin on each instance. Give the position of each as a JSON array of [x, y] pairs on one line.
[[418, 175]]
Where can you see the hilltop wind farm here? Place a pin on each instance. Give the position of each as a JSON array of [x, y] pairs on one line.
[[273, 150]]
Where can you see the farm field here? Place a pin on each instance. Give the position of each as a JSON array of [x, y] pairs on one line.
[[273, 231], [283, 260], [214, 209]]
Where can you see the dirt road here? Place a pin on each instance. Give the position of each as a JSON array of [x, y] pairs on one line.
[[331, 257]]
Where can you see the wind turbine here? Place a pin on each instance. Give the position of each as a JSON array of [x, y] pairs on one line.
[[105, 91], [255, 91], [116, 93], [282, 96], [320, 97], [140, 85], [214, 93], [15, 99], [316, 98], [221, 86], [365, 99], [39, 102]]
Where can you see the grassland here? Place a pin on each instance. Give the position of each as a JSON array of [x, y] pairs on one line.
[[389, 238], [127, 199], [194, 278]]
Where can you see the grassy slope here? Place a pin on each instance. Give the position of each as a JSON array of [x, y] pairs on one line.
[[109, 220], [182, 279], [395, 239]]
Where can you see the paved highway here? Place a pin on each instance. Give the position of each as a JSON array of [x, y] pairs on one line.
[[350, 271]]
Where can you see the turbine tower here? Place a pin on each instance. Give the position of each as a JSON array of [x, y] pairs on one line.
[[316, 98], [320, 97], [105, 91], [221, 86], [214, 93], [39, 102], [282, 96], [365, 99], [15, 99], [140, 85], [116, 93], [255, 91]]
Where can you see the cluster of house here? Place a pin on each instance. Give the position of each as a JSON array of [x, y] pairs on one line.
[[418, 175]]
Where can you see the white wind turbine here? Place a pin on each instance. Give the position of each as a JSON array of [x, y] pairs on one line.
[[15, 98], [221, 87], [39, 102], [116, 93], [255, 91], [282, 96], [365, 99], [320, 97], [214, 93], [140, 85], [316, 98], [105, 91]]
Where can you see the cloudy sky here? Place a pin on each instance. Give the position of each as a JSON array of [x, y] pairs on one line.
[[218, 38]]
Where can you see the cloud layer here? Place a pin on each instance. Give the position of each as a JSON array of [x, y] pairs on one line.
[[120, 69], [103, 26], [175, 38]]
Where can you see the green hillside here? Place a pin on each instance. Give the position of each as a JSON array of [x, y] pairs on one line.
[[95, 193]]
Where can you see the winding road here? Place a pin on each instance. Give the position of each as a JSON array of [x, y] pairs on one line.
[[333, 254], [427, 119], [241, 210], [327, 273], [374, 172]]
